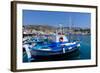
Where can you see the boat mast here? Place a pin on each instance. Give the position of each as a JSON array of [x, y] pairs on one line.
[[61, 28], [70, 24]]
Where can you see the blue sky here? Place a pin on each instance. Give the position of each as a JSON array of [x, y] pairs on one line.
[[54, 18]]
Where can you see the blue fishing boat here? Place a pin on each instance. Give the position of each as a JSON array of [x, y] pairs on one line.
[[44, 47]]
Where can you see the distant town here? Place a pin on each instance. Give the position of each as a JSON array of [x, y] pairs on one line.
[[47, 29]]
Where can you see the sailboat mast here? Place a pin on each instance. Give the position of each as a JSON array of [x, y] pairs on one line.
[[70, 23], [61, 29]]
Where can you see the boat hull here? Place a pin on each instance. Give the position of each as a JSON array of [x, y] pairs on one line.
[[48, 54]]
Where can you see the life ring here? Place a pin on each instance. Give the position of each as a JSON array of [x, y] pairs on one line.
[[61, 39]]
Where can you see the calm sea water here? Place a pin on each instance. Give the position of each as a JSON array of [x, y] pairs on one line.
[[83, 53], [85, 48]]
